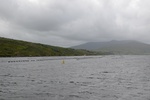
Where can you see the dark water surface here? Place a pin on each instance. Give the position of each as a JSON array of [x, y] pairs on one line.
[[91, 78]]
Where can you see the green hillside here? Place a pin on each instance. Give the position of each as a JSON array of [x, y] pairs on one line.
[[17, 48]]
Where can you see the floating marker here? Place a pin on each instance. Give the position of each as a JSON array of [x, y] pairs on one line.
[[63, 62]]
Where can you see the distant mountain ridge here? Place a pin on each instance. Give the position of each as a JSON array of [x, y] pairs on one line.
[[117, 47]]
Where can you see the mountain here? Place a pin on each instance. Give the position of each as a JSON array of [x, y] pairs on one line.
[[17, 48], [117, 47]]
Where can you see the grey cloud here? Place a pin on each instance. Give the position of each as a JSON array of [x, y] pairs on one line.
[[75, 21], [41, 17]]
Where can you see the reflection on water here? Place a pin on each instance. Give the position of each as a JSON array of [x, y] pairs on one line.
[[79, 78]]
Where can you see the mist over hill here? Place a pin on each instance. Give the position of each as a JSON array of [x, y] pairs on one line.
[[117, 47]]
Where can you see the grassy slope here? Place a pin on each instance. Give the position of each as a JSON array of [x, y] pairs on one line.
[[13, 48]]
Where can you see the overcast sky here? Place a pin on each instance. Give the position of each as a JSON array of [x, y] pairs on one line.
[[72, 22]]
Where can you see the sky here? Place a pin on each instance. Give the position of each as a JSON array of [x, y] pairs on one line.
[[67, 23]]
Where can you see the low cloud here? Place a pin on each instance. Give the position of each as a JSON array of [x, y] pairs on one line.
[[71, 22]]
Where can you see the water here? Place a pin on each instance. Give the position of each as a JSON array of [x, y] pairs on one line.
[[79, 78]]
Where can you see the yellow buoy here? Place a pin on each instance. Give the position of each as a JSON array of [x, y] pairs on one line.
[[63, 62]]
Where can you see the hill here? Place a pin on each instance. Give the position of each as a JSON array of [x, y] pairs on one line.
[[17, 48], [117, 47]]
